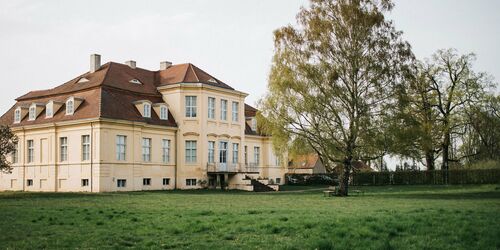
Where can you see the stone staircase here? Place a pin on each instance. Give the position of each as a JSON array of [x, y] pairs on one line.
[[262, 185]]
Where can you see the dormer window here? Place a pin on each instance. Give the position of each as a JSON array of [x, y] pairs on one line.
[[17, 115], [253, 124], [163, 112], [135, 81], [70, 107], [32, 113], [147, 110], [48, 110]]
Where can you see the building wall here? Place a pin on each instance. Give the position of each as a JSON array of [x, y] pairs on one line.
[[104, 170]]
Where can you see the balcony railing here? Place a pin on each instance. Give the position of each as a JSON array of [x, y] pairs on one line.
[[232, 167]]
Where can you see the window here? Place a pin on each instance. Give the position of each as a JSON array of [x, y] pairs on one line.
[[63, 141], [29, 182], [166, 150], [278, 180], [32, 113], [121, 143], [190, 182], [256, 155], [147, 110], [146, 181], [14, 154], [121, 183], [163, 112], [211, 151], [166, 181], [211, 108], [246, 154], [235, 152], [70, 107], [235, 111], [190, 106], [31, 151], [48, 110], [85, 182], [253, 124], [146, 149], [85, 147], [17, 116], [191, 151], [223, 110]]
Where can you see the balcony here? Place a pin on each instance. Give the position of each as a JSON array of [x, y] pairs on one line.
[[217, 167]]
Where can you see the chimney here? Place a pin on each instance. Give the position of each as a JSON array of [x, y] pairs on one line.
[[95, 62], [130, 63], [165, 65]]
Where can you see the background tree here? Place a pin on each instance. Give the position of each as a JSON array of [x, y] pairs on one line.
[[414, 126], [8, 145], [456, 88], [331, 81]]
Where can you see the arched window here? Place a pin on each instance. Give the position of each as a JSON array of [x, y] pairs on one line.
[[147, 110], [163, 112], [70, 107], [17, 116]]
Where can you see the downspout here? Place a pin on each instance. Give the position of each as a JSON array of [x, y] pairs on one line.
[[56, 187], [176, 158], [91, 157], [24, 159]]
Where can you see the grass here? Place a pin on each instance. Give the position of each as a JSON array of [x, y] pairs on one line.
[[418, 217]]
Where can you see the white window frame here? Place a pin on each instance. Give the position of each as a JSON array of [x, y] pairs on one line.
[[31, 150], [211, 107], [49, 110], [236, 152], [146, 149], [223, 109], [85, 182], [121, 183], [63, 149], [121, 148], [235, 111], [256, 155], [32, 113], [147, 110], [85, 147], [211, 151], [245, 152], [29, 182], [166, 181], [146, 181], [15, 154], [191, 151], [163, 112], [191, 182], [17, 115], [166, 150], [70, 106], [191, 106], [253, 124]]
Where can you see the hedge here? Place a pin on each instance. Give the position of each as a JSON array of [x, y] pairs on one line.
[[435, 177]]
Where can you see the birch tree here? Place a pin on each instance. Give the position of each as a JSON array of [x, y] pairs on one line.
[[332, 79]]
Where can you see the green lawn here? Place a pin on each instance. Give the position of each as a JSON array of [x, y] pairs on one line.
[[421, 217]]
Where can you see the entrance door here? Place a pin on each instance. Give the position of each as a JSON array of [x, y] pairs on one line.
[[223, 155]]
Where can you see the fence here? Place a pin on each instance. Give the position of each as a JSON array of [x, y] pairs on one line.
[[435, 177]]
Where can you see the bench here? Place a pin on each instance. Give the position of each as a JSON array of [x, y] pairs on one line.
[[331, 191]]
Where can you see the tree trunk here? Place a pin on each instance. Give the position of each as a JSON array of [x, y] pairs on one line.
[[446, 157], [429, 160], [344, 182]]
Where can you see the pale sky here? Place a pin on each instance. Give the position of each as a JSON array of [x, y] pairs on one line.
[[46, 43]]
